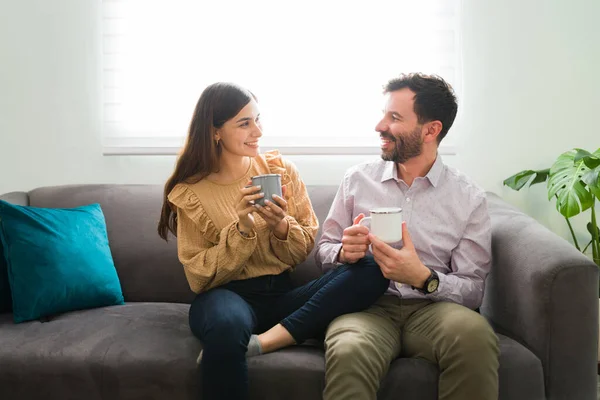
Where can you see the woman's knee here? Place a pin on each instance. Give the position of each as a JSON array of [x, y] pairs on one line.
[[225, 336], [229, 322], [216, 320], [368, 276]]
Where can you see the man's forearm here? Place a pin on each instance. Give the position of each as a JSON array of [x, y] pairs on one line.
[[460, 290]]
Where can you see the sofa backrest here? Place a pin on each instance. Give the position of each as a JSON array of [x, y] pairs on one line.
[[148, 267]]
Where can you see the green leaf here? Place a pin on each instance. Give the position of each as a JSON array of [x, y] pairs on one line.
[[581, 154], [592, 180], [565, 183], [541, 176], [520, 179], [590, 160], [589, 228]]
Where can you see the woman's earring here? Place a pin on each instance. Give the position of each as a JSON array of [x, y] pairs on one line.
[[218, 141]]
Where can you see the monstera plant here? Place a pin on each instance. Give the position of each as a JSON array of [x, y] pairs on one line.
[[574, 181]]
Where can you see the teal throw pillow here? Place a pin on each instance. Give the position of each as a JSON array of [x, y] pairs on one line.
[[5, 301], [58, 260]]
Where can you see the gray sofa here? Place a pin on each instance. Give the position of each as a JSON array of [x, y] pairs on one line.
[[541, 298]]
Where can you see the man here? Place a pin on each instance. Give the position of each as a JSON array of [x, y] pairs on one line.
[[438, 271]]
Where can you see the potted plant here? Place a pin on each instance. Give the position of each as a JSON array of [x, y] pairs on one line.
[[574, 181]]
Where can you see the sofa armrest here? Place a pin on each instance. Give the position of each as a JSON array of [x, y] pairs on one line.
[[18, 198], [544, 293]]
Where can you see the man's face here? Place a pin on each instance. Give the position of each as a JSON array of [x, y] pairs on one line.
[[399, 129]]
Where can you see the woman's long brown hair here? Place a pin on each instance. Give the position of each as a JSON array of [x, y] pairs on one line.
[[199, 157]]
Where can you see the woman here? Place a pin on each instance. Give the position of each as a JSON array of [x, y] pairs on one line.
[[237, 255]]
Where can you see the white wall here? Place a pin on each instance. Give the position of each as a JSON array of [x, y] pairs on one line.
[[530, 93]]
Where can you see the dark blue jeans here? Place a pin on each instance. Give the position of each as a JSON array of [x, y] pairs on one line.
[[223, 318]]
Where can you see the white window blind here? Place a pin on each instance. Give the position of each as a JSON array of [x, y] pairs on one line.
[[317, 67]]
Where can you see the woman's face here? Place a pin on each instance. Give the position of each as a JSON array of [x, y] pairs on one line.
[[240, 135]]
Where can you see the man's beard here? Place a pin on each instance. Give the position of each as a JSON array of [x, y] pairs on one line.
[[406, 146]]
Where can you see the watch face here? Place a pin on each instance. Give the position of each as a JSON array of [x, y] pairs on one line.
[[433, 285]]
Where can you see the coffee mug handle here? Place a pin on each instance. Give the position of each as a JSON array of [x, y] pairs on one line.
[[364, 219]]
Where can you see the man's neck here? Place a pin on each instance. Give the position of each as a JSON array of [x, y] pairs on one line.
[[416, 167]]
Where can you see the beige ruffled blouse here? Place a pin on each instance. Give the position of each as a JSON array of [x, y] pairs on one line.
[[209, 245]]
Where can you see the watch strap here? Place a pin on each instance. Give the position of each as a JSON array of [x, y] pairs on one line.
[[433, 275]]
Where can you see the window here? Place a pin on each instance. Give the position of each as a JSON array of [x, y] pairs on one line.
[[317, 67]]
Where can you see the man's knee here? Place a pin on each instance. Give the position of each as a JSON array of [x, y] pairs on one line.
[[472, 335], [342, 345], [354, 349]]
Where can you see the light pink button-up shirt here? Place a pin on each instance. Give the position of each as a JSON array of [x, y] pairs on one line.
[[447, 219]]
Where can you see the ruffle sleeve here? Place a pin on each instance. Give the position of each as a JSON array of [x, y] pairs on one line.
[[184, 198]]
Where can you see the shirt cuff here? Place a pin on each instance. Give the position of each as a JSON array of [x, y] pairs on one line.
[[287, 236], [247, 236], [443, 284], [332, 257]]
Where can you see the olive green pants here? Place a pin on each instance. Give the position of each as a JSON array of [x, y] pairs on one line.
[[359, 348]]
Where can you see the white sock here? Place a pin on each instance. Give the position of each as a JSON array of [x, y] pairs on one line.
[[254, 349]]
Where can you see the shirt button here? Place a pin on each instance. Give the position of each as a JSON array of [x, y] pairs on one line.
[[408, 199]]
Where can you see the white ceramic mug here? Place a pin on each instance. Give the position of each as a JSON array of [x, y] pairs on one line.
[[386, 223]]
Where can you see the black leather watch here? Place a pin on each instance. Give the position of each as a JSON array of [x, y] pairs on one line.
[[431, 284]]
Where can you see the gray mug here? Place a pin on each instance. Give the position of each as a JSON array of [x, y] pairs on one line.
[[270, 184]]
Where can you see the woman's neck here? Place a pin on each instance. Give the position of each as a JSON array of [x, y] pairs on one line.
[[231, 168]]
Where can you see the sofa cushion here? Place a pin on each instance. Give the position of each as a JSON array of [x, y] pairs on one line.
[[321, 198], [146, 350], [58, 260], [5, 295], [520, 375], [19, 198], [299, 373], [148, 267], [132, 213], [133, 351]]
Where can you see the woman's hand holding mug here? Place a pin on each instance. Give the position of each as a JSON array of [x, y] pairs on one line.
[[274, 213], [245, 207]]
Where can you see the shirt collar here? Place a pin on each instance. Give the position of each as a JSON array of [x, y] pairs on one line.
[[390, 171], [436, 171]]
